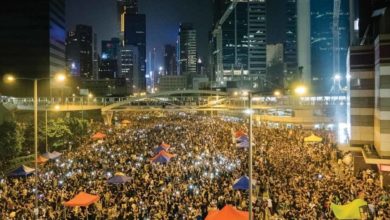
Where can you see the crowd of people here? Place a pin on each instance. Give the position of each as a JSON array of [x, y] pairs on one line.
[[294, 180]]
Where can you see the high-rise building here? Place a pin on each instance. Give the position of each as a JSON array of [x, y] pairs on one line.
[[108, 69], [95, 58], [239, 39], [79, 52], [129, 65], [135, 35], [323, 67], [368, 76], [187, 50], [111, 48], [290, 41], [32, 42], [170, 66]]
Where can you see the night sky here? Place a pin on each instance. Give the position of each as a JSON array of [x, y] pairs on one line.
[[163, 18]]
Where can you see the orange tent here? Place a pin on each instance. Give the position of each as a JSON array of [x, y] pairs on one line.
[[164, 153], [42, 159], [82, 199], [125, 121], [164, 145], [98, 136], [238, 134], [228, 213]]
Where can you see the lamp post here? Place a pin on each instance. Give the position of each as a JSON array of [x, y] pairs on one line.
[[250, 154], [10, 78]]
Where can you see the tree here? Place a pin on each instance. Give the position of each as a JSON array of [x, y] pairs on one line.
[[11, 140], [58, 133], [77, 127]]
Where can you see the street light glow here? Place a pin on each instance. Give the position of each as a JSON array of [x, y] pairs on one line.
[[57, 107], [10, 78], [337, 77], [60, 77], [277, 93], [300, 90], [90, 95]]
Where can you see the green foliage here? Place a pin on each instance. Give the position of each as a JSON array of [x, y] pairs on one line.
[[58, 133], [11, 140]]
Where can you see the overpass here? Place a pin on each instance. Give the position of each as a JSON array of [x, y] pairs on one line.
[[287, 109]]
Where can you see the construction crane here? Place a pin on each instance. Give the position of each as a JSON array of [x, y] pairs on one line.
[[336, 88]]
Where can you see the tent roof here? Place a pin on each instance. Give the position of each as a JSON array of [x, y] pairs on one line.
[[228, 213], [42, 159], [22, 171], [51, 156], [242, 183], [82, 199], [119, 179], [99, 135], [239, 133], [348, 211], [165, 145], [125, 121], [313, 138], [160, 159]]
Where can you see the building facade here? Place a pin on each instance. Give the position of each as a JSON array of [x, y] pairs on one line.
[[187, 49], [369, 71], [170, 67], [79, 52], [32, 42], [135, 35], [239, 40]]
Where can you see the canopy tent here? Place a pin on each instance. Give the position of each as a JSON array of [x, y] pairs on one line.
[[159, 148], [99, 136], [242, 138], [119, 179], [125, 122], [82, 199], [242, 183], [228, 213], [348, 211], [162, 157], [41, 159], [313, 138], [239, 133], [52, 156], [22, 171], [120, 174], [243, 144], [165, 145], [56, 153]]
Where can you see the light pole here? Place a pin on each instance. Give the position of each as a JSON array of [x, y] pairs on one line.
[[10, 78], [250, 154]]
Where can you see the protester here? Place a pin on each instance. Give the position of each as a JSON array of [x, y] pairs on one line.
[[294, 180]]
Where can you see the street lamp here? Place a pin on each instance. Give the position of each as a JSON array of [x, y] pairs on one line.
[[300, 90], [10, 78], [277, 93]]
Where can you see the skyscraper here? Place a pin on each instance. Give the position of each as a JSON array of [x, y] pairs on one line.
[[290, 41], [186, 47], [32, 41], [170, 66], [135, 35], [239, 39], [322, 53], [111, 49], [79, 52]]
